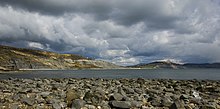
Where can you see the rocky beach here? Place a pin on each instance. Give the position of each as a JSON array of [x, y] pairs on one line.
[[138, 93]]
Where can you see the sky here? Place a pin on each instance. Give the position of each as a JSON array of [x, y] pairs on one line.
[[125, 32]]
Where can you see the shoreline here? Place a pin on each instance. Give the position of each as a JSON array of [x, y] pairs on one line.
[[109, 93], [23, 70]]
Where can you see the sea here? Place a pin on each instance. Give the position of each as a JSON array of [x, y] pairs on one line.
[[178, 74]]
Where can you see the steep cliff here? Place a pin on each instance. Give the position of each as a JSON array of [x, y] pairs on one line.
[[19, 58]]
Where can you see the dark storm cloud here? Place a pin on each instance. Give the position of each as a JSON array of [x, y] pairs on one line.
[[58, 7], [122, 31], [125, 12]]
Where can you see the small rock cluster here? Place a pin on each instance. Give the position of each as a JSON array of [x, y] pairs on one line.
[[109, 94]]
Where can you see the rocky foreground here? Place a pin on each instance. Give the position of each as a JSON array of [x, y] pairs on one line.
[[109, 93]]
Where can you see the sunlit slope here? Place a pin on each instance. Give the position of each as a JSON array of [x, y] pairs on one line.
[[19, 58]]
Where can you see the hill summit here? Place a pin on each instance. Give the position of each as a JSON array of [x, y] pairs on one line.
[[173, 65]]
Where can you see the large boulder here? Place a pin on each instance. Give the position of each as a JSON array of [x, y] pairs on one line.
[[71, 95]]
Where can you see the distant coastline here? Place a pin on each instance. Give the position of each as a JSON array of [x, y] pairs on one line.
[[20, 59]]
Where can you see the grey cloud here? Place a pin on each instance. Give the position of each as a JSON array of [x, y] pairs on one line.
[[58, 7], [124, 12], [121, 31]]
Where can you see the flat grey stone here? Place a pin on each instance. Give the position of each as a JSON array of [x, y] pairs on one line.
[[121, 104]]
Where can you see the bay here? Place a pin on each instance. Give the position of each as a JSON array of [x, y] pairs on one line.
[[179, 74]]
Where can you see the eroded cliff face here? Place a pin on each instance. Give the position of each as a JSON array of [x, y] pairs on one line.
[[18, 58]]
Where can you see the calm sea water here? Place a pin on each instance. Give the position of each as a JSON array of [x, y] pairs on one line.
[[183, 74]]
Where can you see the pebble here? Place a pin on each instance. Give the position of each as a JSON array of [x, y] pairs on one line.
[[45, 94], [70, 93], [177, 105], [116, 96], [28, 101]]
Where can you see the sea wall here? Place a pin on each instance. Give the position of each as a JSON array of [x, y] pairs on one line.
[[109, 93]]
